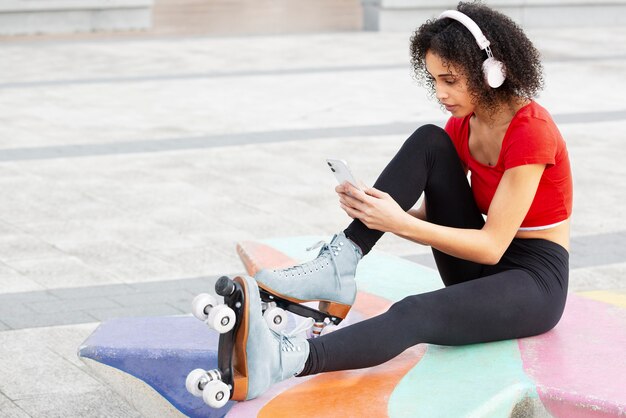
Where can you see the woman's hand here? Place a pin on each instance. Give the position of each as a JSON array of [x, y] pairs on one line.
[[376, 209]]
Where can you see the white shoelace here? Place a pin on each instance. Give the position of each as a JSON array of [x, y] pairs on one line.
[[286, 345], [317, 264]]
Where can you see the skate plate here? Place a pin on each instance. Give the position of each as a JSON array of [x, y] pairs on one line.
[[257, 256]]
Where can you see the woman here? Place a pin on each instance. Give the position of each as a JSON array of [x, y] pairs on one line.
[[506, 276]]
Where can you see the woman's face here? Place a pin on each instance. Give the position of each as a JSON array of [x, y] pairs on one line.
[[450, 86]]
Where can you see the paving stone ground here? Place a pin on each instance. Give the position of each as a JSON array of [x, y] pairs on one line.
[[130, 168]]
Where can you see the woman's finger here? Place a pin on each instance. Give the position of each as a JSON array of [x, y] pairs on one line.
[[372, 191], [353, 213], [350, 201], [355, 193]]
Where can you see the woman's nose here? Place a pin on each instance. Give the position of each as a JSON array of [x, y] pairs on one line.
[[441, 94]]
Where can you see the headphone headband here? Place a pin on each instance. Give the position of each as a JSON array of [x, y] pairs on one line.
[[494, 71], [481, 40]]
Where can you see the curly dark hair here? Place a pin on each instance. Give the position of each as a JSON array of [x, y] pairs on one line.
[[456, 46]]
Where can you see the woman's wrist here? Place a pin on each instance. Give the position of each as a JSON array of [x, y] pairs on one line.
[[407, 223]]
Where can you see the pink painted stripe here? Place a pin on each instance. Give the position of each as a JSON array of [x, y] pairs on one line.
[[580, 366]]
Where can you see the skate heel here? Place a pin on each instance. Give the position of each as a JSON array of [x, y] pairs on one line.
[[334, 309]]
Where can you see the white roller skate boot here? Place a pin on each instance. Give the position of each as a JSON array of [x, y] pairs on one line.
[[328, 279], [251, 357]]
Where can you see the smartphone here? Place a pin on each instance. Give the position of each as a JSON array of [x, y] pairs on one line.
[[341, 171]]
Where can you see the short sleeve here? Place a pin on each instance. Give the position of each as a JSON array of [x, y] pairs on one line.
[[530, 141]]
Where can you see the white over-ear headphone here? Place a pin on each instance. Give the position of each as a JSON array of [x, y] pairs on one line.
[[493, 70]]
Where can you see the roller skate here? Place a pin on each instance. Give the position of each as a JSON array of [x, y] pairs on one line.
[[251, 357], [328, 279]]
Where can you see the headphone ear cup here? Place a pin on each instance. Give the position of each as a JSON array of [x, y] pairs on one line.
[[494, 72]]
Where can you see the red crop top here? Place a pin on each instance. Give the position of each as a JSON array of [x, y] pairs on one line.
[[531, 138]]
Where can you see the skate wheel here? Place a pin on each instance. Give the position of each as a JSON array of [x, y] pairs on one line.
[[328, 329], [276, 319], [201, 305], [221, 319], [224, 286], [216, 394], [192, 383]]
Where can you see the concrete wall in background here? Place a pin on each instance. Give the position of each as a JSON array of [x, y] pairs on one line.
[[242, 17], [183, 17], [66, 16], [403, 15]]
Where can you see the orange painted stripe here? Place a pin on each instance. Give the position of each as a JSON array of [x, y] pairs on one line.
[[361, 393], [256, 256]]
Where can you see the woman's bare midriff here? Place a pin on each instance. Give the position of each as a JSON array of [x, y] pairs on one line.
[[559, 234]]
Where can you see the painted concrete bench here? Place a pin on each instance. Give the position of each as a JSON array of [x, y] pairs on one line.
[[578, 369]]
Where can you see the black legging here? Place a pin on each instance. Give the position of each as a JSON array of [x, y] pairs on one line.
[[523, 295]]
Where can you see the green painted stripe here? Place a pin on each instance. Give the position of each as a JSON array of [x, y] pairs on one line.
[[482, 380]]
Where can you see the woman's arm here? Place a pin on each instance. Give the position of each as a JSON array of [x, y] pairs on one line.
[[510, 204], [420, 211]]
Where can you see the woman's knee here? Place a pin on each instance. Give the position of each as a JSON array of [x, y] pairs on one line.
[[430, 137], [407, 307]]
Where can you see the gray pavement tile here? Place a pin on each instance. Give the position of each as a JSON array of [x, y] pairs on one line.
[[92, 291], [179, 284], [7, 300], [73, 305], [136, 311], [102, 402], [65, 271], [23, 247], [184, 305], [32, 320], [153, 298], [202, 260], [123, 261], [3, 326], [207, 286], [34, 370], [13, 308], [598, 278], [598, 250], [68, 234], [11, 281], [8, 409], [63, 341]]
